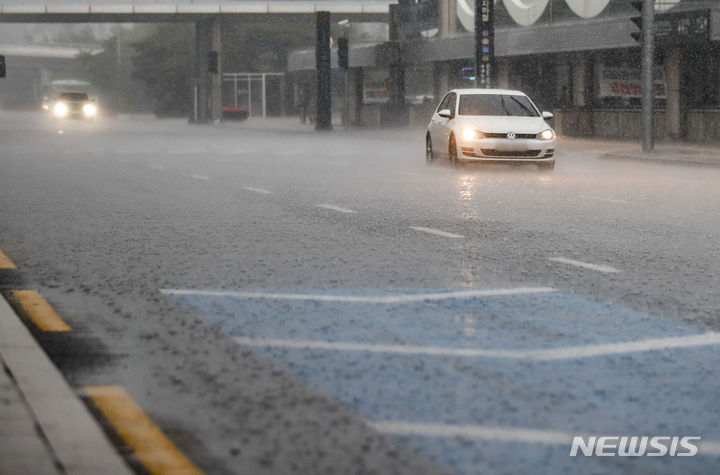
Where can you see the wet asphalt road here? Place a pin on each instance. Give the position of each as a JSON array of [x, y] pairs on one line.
[[249, 287]]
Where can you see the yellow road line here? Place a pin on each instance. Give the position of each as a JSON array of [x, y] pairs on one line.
[[5, 262], [156, 452], [40, 312]]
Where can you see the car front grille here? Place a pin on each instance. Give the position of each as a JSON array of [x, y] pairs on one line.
[[491, 152], [504, 136]]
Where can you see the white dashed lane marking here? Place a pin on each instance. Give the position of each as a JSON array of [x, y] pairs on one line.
[[555, 354], [336, 208], [200, 177], [379, 299], [599, 198], [436, 232], [494, 433], [586, 265], [254, 189]]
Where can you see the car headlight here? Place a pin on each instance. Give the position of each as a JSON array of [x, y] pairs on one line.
[[472, 134], [89, 110], [60, 110], [546, 135]]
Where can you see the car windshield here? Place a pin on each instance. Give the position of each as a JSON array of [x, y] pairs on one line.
[[73, 96], [496, 104]]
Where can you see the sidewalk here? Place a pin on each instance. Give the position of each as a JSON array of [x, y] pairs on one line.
[[22, 448], [666, 152], [44, 427]]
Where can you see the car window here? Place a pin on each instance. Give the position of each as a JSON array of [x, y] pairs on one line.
[[497, 104], [452, 102], [443, 103], [74, 96]]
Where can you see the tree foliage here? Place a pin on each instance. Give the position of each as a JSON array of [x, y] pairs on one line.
[[160, 63]]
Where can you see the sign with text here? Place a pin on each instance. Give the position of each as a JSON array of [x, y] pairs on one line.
[[627, 82], [484, 43], [376, 92], [683, 27]]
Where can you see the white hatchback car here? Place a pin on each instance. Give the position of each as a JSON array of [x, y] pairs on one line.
[[490, 125]]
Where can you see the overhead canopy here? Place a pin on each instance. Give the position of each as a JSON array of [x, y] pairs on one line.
[[41, 11]]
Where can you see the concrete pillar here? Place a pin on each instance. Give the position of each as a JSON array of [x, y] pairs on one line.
[[503, 73], [448, 18], [208, 40], [355, 88], [396, 112], [323, 119], [579, 86], [672, 83]]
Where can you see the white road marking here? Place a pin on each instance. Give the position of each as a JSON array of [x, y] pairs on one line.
[[156, 167], [257, 190], [200, 177], [554, 354], [505, 434], [599, 198], [408, 173], [586, 265], [386, 299], [339, 164], [436, 232], [495, 433], [336, 208]]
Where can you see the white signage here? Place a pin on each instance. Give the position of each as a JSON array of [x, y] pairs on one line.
[[627, 82]]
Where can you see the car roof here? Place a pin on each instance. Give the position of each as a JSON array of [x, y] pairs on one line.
[[508, 92]]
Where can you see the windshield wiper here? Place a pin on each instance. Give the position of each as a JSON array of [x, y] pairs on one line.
[[502, 101], [529, 111]]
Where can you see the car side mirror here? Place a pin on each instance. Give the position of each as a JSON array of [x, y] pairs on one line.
[[445, 113], [547, 115]]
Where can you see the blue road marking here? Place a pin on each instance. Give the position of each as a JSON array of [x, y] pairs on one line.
[[668, 392]]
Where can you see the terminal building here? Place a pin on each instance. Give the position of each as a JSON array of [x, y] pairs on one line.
[[577, 58]]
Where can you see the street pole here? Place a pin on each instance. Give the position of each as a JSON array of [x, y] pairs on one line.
[[648, 63], [346, 98]]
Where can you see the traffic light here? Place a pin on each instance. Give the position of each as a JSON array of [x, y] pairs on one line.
[[638, 20], [2, 66], [343, 54], [213, 62]]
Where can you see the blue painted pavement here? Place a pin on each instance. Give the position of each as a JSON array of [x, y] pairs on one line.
[[668, 392]]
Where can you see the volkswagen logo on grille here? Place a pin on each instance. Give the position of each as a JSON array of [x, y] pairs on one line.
[[511, 135]]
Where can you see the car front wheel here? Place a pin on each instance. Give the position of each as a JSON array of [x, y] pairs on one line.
[[452, 152]]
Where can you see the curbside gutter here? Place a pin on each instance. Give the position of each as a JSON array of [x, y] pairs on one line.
[[74, 435], [671, 157]]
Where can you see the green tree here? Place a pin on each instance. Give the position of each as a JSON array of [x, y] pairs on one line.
[[160, 62]]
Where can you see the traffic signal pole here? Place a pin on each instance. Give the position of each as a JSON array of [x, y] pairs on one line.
[[648, 63]]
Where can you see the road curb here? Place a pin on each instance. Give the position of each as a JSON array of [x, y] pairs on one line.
[[74, 435], [661, 159]]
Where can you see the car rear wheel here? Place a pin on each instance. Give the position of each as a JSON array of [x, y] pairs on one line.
[[429, 156]]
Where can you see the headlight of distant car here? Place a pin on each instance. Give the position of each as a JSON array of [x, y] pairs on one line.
[[546, 135], [89, 110], [472, 134], [60, 110]]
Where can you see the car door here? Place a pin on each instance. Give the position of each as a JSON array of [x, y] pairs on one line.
[[444, 125], [436, 127]]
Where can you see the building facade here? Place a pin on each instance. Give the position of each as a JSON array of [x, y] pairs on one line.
[[577, 58]]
